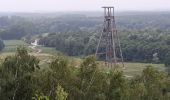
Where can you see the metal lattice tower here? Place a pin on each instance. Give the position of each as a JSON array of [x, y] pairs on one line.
[[109, 43]]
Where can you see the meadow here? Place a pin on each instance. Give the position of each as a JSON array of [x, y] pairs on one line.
[[48, 53]]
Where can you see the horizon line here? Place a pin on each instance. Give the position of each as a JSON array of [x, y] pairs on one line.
[[82, 11]]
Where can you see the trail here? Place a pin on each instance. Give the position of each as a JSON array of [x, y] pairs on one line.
[[39, 51], [34, 46], [45, 58], [128, 76]]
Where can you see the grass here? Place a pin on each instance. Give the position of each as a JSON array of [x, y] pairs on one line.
[[44, 57], [132, 69], [47, 53], [49, 50], [11, 45], [14, 42]]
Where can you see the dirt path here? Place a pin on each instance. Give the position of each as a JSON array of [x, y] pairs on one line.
[[34, 45]]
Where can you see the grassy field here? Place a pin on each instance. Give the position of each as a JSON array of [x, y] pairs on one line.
[[47, 53], [49, 50], [132, 69], [11, 45]]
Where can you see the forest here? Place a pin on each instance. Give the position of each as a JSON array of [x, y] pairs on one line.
[[144, 36], [63, 65]]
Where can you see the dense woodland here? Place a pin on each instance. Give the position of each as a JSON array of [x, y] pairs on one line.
[[145, 37], [1, 44]]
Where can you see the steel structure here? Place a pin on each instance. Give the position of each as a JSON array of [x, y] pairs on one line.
[[109, 44]]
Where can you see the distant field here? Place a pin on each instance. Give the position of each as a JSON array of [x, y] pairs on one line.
[[11, 45], [14, 42], [49, 50], [133, 69], [47, 53]]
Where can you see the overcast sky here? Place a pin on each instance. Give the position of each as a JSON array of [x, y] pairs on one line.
[[81, 5]]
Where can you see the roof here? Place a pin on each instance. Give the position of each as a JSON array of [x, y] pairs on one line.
[[107, 7]]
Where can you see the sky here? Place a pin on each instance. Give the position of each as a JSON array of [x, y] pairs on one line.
[[81, 5]]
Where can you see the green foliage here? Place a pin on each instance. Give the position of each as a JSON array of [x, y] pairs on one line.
[[167, 59], [137, 45], [142, 35], [88, 67], [15, 27], [40, 97], [154, 82], [21, 80], [116, 86], [16, 75], [10, 45], [149, 86], [92, 80], [60, 94], [1, 45], [59, 73]]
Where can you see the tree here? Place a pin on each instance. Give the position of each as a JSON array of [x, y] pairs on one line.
[[16, 75], [116, 86], [167, 59], [149, 86], [40, 97], [154, 82], [1, 45], [60, 73], [60, 93], [92, 80]]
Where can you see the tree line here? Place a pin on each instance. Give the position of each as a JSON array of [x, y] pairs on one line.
[[2, 45], [144, 36], [18, 26], [151, 46]]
